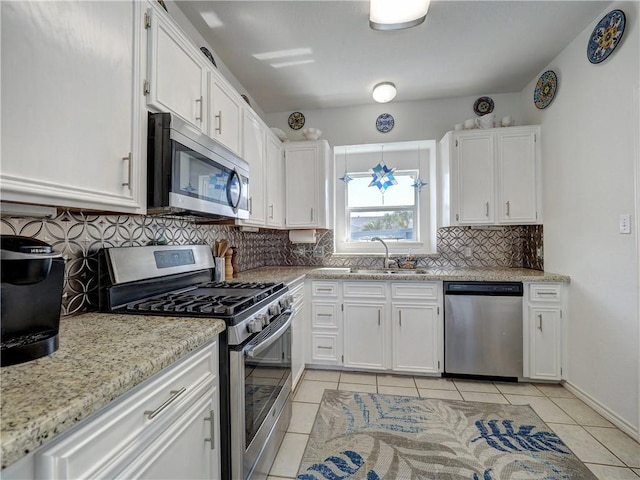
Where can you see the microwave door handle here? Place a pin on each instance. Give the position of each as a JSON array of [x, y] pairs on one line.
[[267, 342], [235, 174]]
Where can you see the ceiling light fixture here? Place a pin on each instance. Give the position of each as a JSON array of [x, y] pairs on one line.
[[384, 92], [397, 14]]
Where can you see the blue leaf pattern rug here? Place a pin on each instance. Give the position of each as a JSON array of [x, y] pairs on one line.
[[371, 436]]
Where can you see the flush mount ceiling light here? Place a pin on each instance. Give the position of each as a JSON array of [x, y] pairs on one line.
[[397, 14], [384, 92]]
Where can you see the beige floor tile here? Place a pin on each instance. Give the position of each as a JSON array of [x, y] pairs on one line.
[[519, 389], [484, 397], [581, 412], [312, 391], [637, 471], [391, 390], [289, 456], [622, 445], [435, 383], [302, 417], [396, 381], [440, 394], [352, 377], [322, 375], [586, 448], [606, 472], [357, 387], [475, 386], [554, 390], [544, 407], [271, 477]]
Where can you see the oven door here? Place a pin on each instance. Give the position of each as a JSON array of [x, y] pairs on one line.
[[260, 374]]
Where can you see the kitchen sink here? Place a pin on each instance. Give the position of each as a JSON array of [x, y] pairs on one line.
[[387, 271]]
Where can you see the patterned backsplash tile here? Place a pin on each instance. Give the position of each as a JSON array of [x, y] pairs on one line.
[[78, 236]]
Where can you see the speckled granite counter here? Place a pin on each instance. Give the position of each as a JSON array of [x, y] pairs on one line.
[[101, 356], [502, 274]]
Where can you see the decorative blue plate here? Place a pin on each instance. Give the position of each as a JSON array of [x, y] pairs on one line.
[[545, 89], [606, 36], [483, 105], [384, 123], [207, 54]]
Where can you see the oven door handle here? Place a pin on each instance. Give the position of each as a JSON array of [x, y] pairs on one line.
[[270, 340]]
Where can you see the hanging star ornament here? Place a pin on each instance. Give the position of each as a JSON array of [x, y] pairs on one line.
[[418, 183], [382, 177], [345, 178]]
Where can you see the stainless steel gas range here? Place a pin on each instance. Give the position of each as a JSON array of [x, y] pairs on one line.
[[255, 353]]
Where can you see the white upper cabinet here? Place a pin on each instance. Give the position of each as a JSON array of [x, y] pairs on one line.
[[72, 119], [176, 72], [225, 113], [307, 191], [491, 176], [254, 154], [275, 181]]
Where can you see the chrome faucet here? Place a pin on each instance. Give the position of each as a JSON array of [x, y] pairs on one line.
[[386, 249]]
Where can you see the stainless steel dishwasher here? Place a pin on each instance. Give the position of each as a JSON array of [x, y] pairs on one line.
[[483, 329]]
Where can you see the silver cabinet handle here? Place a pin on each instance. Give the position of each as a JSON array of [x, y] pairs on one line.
[[219, 117], [129, 159], [322, 347], [271, 207], [199, 100], [553, 294], [151, 414], [312, 214], [212, 429], [328, 290], [400, 317], [540, 322], [324, 315], [508, 208], [379, 315], [486, 206], [250, 205]]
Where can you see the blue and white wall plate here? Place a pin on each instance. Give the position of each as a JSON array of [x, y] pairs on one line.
[[384, 123], [606, 36], [545, 89]]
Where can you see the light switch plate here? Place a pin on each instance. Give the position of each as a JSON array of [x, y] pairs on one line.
[[625, 223]]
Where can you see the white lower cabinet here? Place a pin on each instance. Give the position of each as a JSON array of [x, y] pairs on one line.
[[543, 331], [377, 326], [298, 331], [167, 427]]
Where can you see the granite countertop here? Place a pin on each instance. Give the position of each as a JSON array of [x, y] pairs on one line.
[[101, 357], [290, 274]]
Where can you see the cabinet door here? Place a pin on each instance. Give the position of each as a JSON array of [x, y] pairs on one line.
[[364, 327], [545, 327], [298, 332], [71, 105], [253, 139], [225, 114], [275, 182], [516, 166], [301, 187], [189, 448], [415, 338], [475, 185], [176, 72]]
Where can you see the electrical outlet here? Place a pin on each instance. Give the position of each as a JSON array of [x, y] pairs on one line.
[[318, 251], [467, 252], [539, 252], [625, 223]]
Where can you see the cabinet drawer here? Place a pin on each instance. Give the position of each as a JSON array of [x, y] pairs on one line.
[[364, 289], [324, 348], [97, 447], [324, 289], [416, 291], [545, 292], [324, 315]]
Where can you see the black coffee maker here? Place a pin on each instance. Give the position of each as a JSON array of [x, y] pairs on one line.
[[31, 281]]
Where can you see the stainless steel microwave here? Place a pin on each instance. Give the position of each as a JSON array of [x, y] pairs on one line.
[[189, 173]]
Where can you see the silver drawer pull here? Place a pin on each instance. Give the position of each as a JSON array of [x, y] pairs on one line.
[[322, 347], [324, 315], [548, 293], [328, 290], [540, 322], [211, 418], [219, 118], [151, 414]]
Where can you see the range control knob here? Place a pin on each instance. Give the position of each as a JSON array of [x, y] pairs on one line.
[[274, 309], [255, 326], [285, 302], [264, 319]]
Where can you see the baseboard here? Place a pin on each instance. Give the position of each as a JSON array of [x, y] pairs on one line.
[[619, 422]]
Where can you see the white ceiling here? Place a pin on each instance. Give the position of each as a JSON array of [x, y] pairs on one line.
[[463, 48]]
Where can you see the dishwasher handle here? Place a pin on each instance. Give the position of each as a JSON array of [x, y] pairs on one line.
[[496, 289]]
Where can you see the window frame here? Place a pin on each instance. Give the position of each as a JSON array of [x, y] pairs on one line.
[[404, 156]]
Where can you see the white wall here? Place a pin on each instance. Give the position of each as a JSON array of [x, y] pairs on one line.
[[419, 120], [588, 180]]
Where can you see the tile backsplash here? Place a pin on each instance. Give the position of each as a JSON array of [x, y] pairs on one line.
[[78, 236]]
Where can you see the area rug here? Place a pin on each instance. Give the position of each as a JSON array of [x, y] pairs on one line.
[[372, 436]]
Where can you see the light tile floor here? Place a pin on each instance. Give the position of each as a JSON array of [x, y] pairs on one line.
[[607, 451]]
